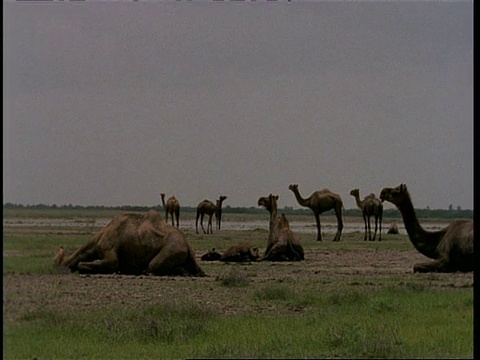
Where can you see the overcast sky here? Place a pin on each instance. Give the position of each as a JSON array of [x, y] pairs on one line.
[[112, 103]]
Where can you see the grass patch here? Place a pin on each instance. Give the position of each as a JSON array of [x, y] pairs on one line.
[[234, 278], [253, 310]]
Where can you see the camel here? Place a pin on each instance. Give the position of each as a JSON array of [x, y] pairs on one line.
[[134, 244], [172, 207], [281, 245], [393, 229], [451, 248], [240, 253], [319, 202], [206, 207], [370, 206], [211, 255]]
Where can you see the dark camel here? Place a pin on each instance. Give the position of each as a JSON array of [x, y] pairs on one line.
[[211, 255], [206, 207], [134, 244], [172, 207], [319, 202], [451, 248], [281, 245], [370, 206], [236, 253]]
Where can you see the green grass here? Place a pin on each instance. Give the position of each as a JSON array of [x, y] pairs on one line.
[[387, 323], [354, 316]]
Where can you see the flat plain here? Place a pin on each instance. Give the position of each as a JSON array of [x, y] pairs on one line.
[[339, 272]]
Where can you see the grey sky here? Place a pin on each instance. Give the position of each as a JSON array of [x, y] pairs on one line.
[[114, 103]]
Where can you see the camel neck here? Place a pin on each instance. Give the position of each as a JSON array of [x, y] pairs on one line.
[[424, 241], [358, 201], [300, 199], [273, 215]]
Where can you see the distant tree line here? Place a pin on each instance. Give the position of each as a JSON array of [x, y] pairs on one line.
[[451, 213]]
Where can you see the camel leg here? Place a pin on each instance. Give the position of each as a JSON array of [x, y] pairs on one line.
[[365, 223], [218, 220], [376, 227], [380, 228], [319, 233], [369, 228], [439, 265], [338, 235], [196, 222], [177, 216], [106, 265], [209, 225], [276, 253], [292, 253], [169, 261], [201, 223], [87, 252]]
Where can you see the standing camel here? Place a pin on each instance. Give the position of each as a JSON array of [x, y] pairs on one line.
[[319, 202], [451, 248], [171, 207], [206, 207], [370, 206]]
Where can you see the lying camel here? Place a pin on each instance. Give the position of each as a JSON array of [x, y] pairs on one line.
[[393, 229], [236, 253], [211, 255], [451, 248], [240, 253], [134, 244], [281, 245]]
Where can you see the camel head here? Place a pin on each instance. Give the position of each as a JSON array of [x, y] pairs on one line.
[[268, 202], [221, 198], [293, 187], [396, 195], [355, 192], [254, 255], [60, 255]]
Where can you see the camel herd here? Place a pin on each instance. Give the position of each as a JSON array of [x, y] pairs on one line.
[[146, 244]]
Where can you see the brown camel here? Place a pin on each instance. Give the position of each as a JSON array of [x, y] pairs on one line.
[[370, 206], [451, 248], [206, 207], [172, 207], [240, 253], [319, 202], [393, 229], [134, 244], [281, 245]]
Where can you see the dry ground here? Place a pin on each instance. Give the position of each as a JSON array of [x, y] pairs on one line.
[[323, 270]]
